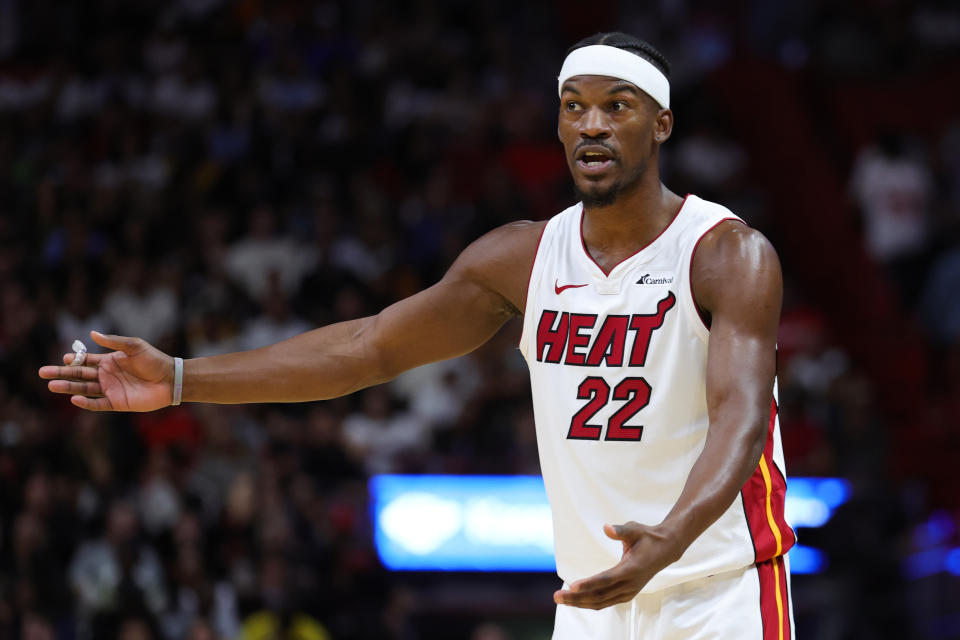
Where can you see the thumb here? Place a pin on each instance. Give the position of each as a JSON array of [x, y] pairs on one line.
[[129, 346], [627, 534], [614, 531]]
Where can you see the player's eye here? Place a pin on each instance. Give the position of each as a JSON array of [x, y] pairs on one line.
[[573, 106], [618, 105]]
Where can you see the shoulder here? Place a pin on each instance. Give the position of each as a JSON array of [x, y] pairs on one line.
[[510, 245], [734, 264], [522, 235], [501, 259], [733, 243]]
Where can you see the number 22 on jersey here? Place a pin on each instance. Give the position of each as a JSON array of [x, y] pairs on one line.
[[635, 391], [560, 335]]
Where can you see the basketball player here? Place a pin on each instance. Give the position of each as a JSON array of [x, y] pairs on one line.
[[649, 326]]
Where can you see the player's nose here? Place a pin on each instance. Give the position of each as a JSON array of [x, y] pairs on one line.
[[594, 124]]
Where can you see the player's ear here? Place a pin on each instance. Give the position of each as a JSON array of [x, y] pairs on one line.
[[663, 126]]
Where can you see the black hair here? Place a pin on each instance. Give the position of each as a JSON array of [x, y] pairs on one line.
[[629, 43]]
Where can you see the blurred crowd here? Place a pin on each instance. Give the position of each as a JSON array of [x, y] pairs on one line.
[[214, 176]]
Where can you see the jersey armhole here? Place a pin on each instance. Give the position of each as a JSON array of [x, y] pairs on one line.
[[524, 331], [700, 326]]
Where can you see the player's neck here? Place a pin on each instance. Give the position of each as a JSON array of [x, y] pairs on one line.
[[619, 230]]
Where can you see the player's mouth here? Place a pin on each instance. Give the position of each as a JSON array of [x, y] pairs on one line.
[[594, 160]]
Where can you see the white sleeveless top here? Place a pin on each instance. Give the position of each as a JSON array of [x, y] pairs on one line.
[[618, 374]]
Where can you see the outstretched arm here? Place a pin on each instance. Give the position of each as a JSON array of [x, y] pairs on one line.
[[481, 291], [737, 282], [452, 317]]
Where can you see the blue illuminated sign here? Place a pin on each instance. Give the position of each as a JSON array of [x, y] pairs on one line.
[[462, 523], [503, 523], [804, 559], [812, 501]]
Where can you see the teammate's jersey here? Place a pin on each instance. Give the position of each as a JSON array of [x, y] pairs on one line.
[[618, 373]]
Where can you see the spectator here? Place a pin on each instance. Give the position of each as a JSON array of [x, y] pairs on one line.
[[263, 255], [118, 571], [381, 437], [142, 305], [276, 323], [893, 190]]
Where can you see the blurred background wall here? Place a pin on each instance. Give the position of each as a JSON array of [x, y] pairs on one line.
[[215, 175]]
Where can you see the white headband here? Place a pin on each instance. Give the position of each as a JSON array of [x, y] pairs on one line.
[[603, 60]]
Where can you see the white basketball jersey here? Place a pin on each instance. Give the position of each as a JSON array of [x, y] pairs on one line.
[[617, 368]]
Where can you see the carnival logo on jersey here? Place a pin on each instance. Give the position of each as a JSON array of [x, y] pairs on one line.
[[656, 278], [569, 338]]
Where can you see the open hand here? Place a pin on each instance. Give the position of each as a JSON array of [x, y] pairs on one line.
[[134, 377], [646, 550]]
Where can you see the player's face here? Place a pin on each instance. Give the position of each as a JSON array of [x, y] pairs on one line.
[[610, 131]]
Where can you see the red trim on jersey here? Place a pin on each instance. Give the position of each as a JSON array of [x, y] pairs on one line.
[[530, 275], [755, 501], [690, 270], [607, 273], [774, 610]]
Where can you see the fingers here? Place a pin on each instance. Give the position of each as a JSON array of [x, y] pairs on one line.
[[617, 597], [599, 584], [589, 596], [92, 358], [51, 372], [75, 388], [623, 581], [130, 346], [595, 592], [613, 586], [92, 404]]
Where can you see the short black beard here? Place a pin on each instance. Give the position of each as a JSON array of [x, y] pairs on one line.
[[609, 197], [599, 200]]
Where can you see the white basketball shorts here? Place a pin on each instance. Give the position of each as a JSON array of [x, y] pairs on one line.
[[752, 603]]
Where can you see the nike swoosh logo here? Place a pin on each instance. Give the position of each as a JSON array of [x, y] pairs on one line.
[[559, 289]]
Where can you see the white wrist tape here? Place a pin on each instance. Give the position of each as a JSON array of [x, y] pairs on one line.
[[80, 353], [177, 380], [604, 60]]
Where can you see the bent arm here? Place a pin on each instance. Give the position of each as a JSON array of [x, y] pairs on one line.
[[737, 281], [482, 290]]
